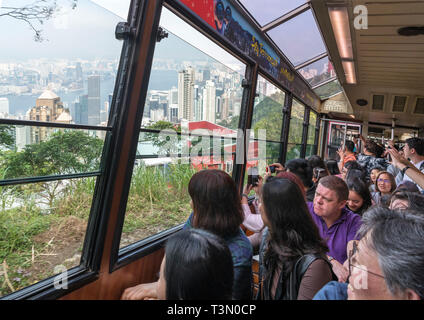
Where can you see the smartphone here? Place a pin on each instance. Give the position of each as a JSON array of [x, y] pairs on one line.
[[253, 176], [253, 180], [272, 169]]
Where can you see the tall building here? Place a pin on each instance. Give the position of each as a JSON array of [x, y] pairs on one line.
[[48, 108], [198, 104], [4, 107], [23, 137], [94, 100], [81, 110], [78, 70], [209, 97], [186, 94]]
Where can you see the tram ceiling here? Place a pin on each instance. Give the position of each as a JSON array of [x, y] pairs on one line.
[[387, 66]]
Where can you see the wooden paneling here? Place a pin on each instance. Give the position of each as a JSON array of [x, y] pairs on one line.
[[110, 286]]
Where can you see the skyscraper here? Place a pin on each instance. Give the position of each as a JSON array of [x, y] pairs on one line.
[[209, 97], [94, 100], [186, 94], [4, 106], [81, 110]]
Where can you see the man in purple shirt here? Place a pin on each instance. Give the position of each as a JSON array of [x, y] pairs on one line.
[[337, 225]]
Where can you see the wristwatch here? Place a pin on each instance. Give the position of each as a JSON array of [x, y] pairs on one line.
[[330, 258], [245, 195], [404, 170]]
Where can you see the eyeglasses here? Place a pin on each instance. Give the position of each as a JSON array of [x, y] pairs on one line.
[[351, 254], [384, 180]]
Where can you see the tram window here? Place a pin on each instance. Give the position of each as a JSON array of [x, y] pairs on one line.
[[42, 228], [311, 134], [190, 122], [294, 144], [318, 72], [267, 119], [45, 151], [65, 77]]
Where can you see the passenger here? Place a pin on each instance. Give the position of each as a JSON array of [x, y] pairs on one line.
[[252, 221], [356, 173], [359, 196], [255, 220], [189, 269], [384, 185], [332, 167], [217, 208], [351, 165], [301, 168], [315, 161], [291, 243], [337, 224], [371, 156], [408, 168], [404, 200], [407, 186], [373, 176], [414, 151], [347, 154], [318, 173], [387, 262]]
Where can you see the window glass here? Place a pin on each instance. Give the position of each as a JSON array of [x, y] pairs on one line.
[[294, 145], [296, 122], [57, 67], [268, 10], [311, 134], [64, 70], [29, 151], [42, 228], [318, 72], [190, 122], [268, 110], [328, 90], [299, 38]]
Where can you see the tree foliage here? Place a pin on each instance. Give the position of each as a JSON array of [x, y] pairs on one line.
[[65, 152], [7, 137]]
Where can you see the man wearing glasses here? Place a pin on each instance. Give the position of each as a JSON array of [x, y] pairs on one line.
[[387, 262]]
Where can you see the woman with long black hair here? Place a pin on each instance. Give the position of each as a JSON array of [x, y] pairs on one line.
[[293, 261]]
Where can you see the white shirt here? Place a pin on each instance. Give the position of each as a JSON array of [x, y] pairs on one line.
[[407, 178]]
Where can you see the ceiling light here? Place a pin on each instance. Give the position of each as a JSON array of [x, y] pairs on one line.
[[340, 22], [349, 69]]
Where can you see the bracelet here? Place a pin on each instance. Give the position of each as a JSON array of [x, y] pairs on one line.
[[330, 258], [404, 170], [245, 195]]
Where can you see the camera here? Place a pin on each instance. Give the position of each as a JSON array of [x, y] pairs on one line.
[[272, 169]]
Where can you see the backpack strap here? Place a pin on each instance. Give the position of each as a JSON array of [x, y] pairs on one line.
[[299, 271]]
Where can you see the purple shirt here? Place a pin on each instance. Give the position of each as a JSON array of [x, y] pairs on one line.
[[339, 234]]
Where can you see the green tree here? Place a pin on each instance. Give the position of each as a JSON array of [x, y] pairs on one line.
[[66, 152], [167, 144], [7, 137]]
